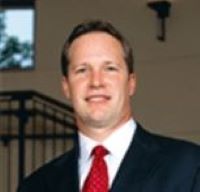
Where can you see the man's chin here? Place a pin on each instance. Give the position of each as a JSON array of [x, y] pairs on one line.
[[97, 122]]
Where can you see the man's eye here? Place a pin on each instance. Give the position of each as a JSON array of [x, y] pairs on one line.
[[111, 68], [81, 70]]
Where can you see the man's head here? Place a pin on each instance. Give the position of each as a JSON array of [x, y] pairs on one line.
[[95, 26], [98, 78]]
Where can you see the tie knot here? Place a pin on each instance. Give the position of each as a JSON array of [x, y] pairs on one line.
[[99, 151]]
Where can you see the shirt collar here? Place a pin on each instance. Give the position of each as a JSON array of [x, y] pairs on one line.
[[118, 142], [118, 149], [86, 146]]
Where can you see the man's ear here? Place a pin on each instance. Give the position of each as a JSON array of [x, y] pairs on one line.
[[132, 84], [65, 87]]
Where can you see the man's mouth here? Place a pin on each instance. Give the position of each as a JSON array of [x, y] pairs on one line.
[[97, 98]]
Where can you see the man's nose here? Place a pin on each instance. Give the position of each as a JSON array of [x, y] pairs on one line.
[[96, 79]]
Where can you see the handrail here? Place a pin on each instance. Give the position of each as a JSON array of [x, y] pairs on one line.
[[29, 94]]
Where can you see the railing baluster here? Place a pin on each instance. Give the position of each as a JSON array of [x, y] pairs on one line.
[[44, 131], [64, 132], [33, 143], [9, 119], [54, 133], [22, 115]]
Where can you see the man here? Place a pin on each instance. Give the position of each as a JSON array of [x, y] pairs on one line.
[[99, 80]]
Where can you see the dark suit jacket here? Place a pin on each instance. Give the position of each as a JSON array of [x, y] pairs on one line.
[[152, 164]]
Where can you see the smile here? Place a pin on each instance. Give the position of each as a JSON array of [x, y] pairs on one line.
[[97, 98]]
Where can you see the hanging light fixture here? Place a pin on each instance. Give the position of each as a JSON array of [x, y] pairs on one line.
[[162, 9]]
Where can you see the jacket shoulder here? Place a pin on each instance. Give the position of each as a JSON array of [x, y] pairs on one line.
[[50, 173], [171, 147]]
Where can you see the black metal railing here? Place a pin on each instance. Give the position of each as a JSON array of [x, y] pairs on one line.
[[34, 129]]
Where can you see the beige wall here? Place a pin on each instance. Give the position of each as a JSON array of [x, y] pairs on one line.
[[168, 94]]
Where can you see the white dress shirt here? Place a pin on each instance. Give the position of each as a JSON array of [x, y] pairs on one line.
[[117, 144]]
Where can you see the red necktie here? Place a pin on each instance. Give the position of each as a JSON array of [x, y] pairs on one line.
[[97, 179]]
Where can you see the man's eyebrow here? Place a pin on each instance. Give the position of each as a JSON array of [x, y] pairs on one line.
[[79, 65]]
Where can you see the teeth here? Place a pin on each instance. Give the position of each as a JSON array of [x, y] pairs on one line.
[[97, 98]]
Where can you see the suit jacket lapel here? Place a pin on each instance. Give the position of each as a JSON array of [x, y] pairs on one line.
[[142, 157], [137, 164]]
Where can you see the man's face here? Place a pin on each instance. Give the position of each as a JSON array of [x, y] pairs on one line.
[[98, 83]]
